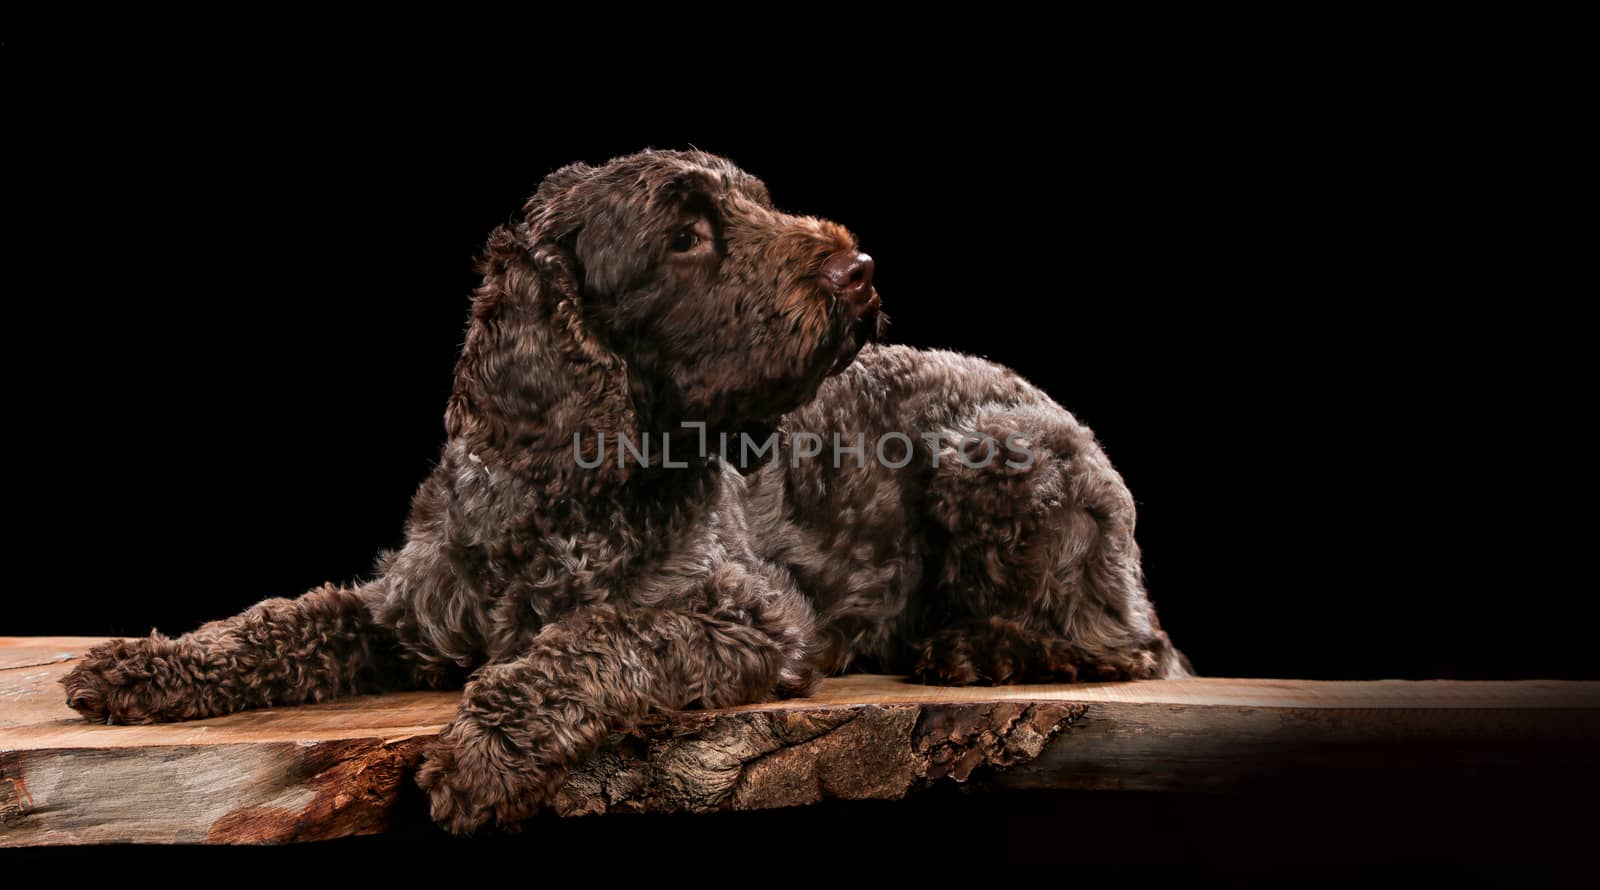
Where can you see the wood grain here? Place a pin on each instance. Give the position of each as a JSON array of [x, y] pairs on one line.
[[341, 768]]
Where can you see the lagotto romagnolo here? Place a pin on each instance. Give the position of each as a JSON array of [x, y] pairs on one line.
[[661, 298]]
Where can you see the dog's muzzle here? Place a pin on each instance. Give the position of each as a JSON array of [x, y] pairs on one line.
[[850, 274]]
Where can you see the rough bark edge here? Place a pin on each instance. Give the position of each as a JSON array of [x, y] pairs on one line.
[[766, 759]]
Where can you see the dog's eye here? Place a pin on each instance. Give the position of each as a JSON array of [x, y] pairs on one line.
[[686, 240], [697, 237]]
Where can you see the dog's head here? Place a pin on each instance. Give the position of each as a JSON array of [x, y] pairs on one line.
[[658, 289]]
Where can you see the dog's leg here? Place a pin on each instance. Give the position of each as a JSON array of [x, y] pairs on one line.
[[523, 724], [281, 651], [1041, 579]]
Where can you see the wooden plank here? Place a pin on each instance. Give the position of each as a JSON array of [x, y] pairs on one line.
[[341, 768], [18, 652]]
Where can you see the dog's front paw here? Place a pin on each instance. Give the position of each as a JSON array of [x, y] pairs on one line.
[[116, 682], [999, 651], [472, 776], [977, 653], [451, 801]]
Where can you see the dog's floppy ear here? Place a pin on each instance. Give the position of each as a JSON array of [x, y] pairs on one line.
[[533, 383]]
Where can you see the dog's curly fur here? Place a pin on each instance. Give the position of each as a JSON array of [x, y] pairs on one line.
[[659, 289]]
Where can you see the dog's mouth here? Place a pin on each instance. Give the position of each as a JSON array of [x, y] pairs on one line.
[[873, 321], [870, 325], [867, 326]]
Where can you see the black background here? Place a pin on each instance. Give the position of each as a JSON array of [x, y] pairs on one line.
[[1304, 318], [1317, 309]]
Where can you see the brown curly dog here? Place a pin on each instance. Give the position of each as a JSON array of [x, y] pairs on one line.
[[586, 550]]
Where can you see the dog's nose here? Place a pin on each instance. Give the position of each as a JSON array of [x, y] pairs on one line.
[[850, 273]]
